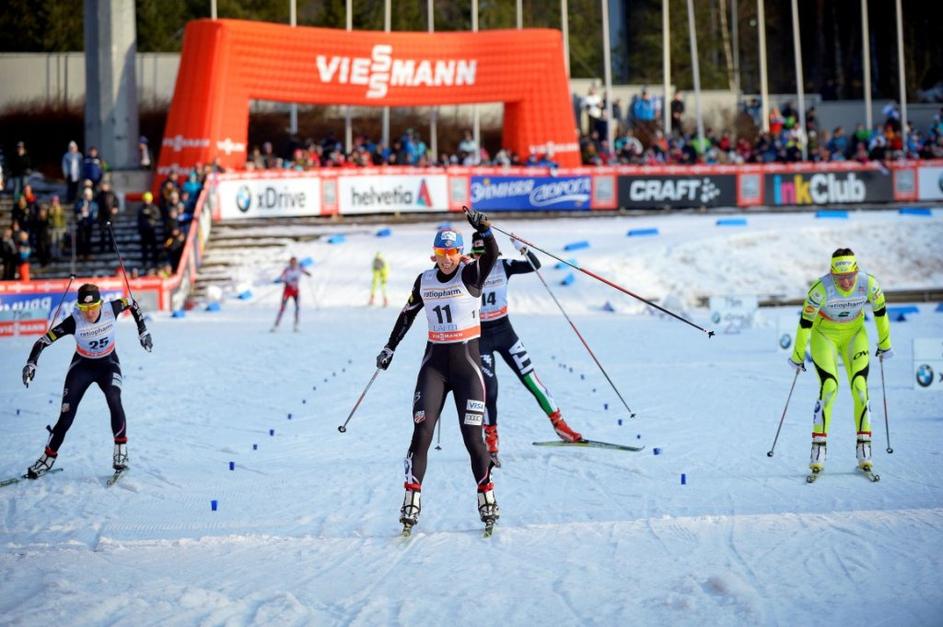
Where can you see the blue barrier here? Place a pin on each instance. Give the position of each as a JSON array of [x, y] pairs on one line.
[[577, 245], [384, 232], [568, 279], [178, 313], [307, 261], [214, 306], [337, 238], [245, 295], [608, 307], [831, 213], [939, 307], [899, 314], [915, 211], [731, 222], [641, 232], [560, 265]]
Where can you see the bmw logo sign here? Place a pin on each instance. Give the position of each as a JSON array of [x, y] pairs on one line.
[[925, 375], [785, 341], [244, 198]]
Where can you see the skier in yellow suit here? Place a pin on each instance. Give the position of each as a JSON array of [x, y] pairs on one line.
[[833, 315], [381, 272]]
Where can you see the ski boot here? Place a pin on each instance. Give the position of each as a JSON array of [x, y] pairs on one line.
[[563, 430], [491, 440], [817, 456], [119, 460], [409, 512], [488, 508], [863, 453], [43, 465]]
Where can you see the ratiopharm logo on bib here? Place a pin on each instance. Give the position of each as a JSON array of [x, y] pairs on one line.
[[381, 70]]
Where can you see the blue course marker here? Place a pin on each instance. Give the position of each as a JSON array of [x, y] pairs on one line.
[[899, 314], [577, 245], [568, 279], [731, 222], [642, 232], [607, 306], [915, 211], [307, 261], [939, 307], [384, 232], [178, 313], [832, 213], [337, 238], [561, 266], [245, 295], [214, 306]]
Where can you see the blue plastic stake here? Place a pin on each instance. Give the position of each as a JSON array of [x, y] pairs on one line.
[[232, 465], [684, 479], [255, 447], [271, 432], [656, 451], [620, 422], [605, 406], [213, 505]]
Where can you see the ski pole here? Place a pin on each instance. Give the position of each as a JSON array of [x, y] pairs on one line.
[[343, 428], [62, 300], [604, 280], [438, 442], [783, 417], [887, 428], [114, 243], [579, 335]]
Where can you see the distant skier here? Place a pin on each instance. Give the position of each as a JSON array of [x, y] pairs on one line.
[[95, 361], [833, 314], [381, 272], [450, 293], [290, 276], [497, 335]]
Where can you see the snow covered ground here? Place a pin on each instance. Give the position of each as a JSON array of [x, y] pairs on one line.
[[306, 526]]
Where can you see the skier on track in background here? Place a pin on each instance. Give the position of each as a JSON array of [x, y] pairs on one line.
[[450, 293], [381, 272], [833, 315], [95, 361], [290, 276], [497, 335]]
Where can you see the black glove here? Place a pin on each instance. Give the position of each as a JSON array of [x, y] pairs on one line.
[[478, 220], [29, 371], [146, 341], [384, 358]]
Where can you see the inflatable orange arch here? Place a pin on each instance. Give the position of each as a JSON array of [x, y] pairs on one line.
[[227, 63]]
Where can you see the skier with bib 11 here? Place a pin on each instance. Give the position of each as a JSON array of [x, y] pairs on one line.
[[450, 293]]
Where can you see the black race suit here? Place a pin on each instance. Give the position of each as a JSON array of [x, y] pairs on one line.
[[445, 368]]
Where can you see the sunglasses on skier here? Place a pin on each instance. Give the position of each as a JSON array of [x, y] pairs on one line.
[[89, 306], [444, 252]]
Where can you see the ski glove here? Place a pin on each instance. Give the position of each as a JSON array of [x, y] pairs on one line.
[[146, 341], [384, 358], [478, 220], [29, 371], [883, 354], [798, 367], [519, 245]]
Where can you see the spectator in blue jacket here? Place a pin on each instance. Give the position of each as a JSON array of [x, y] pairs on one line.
[[72, 171], [93, 167]]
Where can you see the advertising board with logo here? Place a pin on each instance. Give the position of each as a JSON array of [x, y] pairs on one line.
[[273, 197], [531, 193], [648, 192], [930, 182], [733, 313], [828, 188], [928, 364], [393, 193]]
